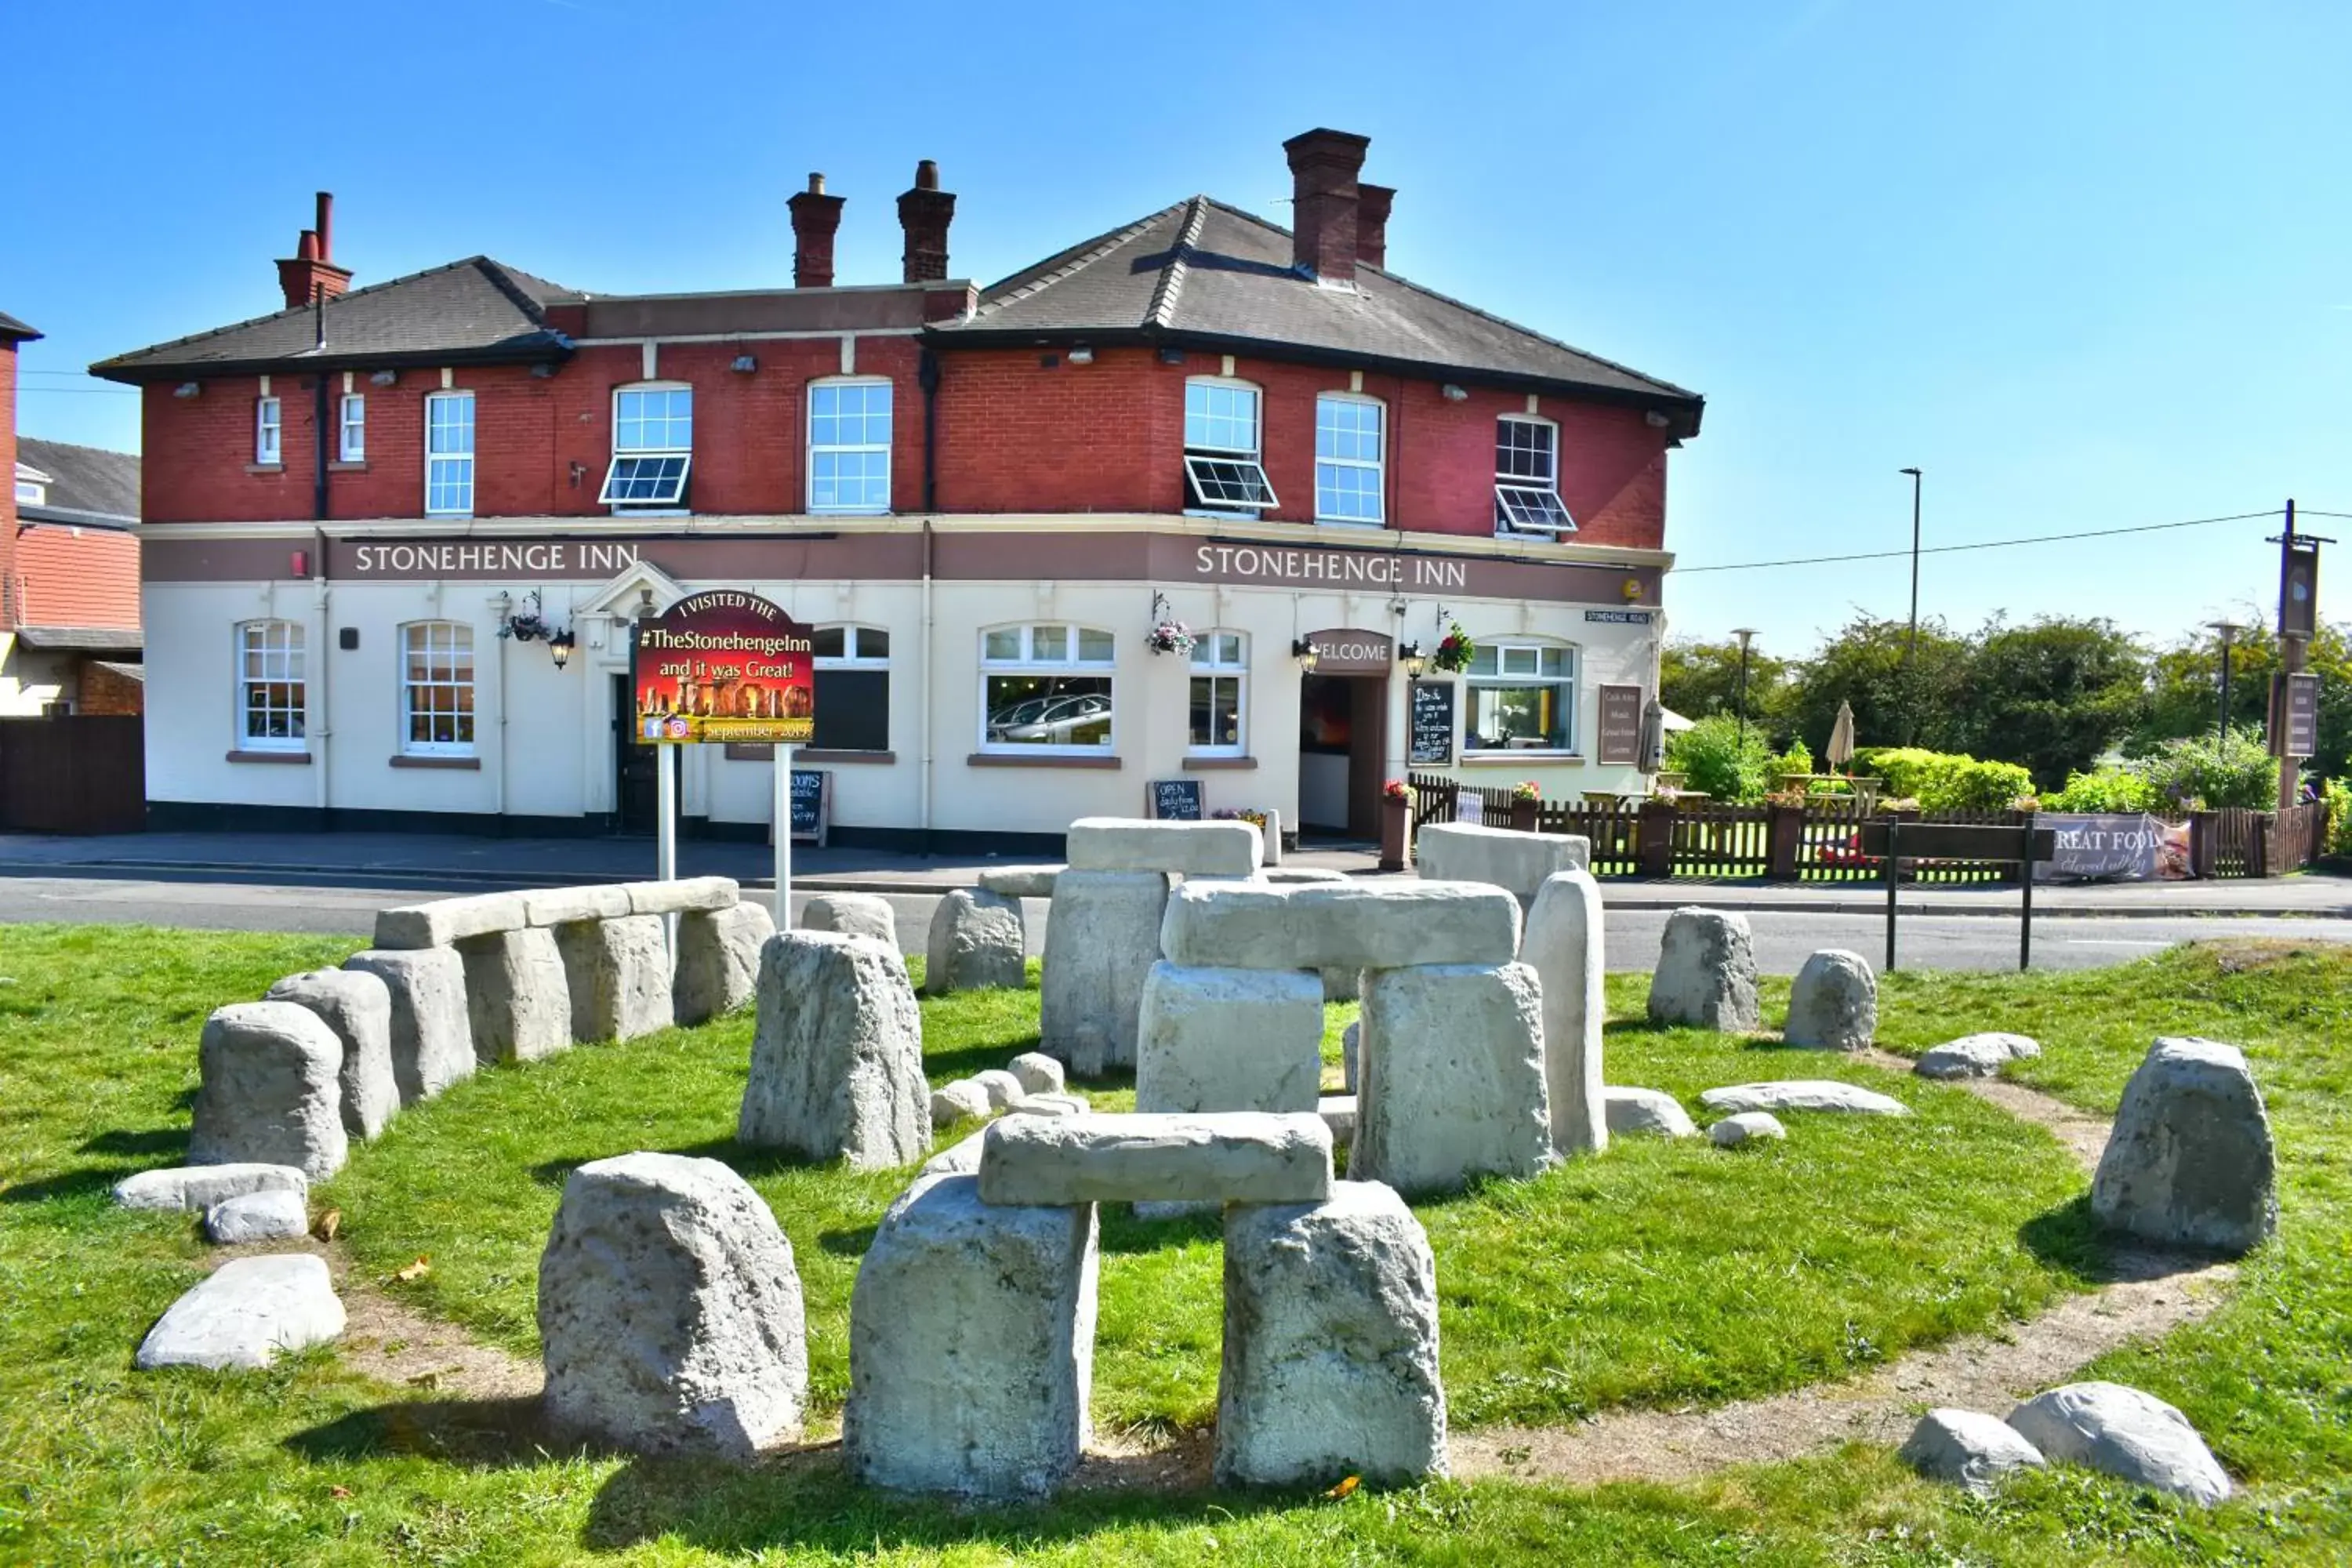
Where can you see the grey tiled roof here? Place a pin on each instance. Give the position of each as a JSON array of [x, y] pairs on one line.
[[1201, 268], [14, 330], [83, 640], [471, 309], [86, 484]]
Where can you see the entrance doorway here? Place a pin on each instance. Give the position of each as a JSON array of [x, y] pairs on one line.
[[1342, 736], [637, 788]]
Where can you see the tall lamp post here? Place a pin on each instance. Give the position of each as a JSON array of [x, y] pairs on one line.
[[2228, 630], [1745, 635], [1911, 646]]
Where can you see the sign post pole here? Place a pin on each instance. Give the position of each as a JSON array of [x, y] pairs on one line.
[[783, 835], [1894, 879], [665, 830], [2025, 896]]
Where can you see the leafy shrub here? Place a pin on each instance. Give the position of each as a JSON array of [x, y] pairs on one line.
[[1797, 759], [1712, 755], [1948, 780], [1818, 787], [2109, 789], [2339, 817], [2208, 774]]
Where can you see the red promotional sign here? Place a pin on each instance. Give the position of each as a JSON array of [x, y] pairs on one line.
[[724, 666]]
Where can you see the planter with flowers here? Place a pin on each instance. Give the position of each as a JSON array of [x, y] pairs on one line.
[[1526, 804], [1396, 824], [1454, 650]]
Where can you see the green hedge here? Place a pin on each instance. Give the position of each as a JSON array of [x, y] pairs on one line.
[[1948, 780]]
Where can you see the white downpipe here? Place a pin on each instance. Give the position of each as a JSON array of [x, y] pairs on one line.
[[326, 732], [923, 717]]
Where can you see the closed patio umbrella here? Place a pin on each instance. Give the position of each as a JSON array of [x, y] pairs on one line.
[[1840, 751]]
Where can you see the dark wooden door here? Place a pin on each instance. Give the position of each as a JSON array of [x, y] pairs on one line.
[[636, 787]]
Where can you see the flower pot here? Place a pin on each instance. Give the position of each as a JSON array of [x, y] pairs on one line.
[[1396, 834], [1523, 815]]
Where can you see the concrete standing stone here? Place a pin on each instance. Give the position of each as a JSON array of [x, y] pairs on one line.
[[1038, 1073], [977, 941], [1967, 1448], [837, 1057], [1745, 1128], [432, 1029], [852, 914], [1650, 1110], [1229, 849], [1236, 1157], [1706, 976], [1334, 925], [272, 1093], [245, 1313], [2190, 1162], [1351, 1047], [1804, 1094], [1976, 1055], [971, 1335], [357, 1006], [189, 1188], [1101, 940], [670, 1311], [719, 960], [1563, 946], [516, 995], [618, 973], [1514, 860], [1229, 1039], [1452, 1076], [1330, 1349], [2124, 1432], [1833, 1004], [273, 1216]]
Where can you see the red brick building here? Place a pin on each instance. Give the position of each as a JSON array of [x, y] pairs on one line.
[[359, 511]]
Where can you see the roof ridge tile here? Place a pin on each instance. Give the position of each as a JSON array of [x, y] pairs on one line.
[[1170, 286], [1101, 247]]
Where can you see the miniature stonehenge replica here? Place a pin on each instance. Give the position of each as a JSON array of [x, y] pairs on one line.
[[1511, 858], [1706, 976], [2190, 1162], [837, 1054]]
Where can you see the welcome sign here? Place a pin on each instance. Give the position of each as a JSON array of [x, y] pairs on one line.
[[724, 666]]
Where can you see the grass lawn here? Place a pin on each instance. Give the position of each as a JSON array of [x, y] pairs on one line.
[[1658, 1275]]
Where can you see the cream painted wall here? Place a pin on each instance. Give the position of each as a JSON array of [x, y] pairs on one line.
[[28, 677]]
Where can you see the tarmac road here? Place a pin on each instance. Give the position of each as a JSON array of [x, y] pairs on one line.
[[1783, 937]]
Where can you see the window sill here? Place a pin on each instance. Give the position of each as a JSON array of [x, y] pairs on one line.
[[1210, 764], [761, 751], [296, 759], [1491, 758], [405, 760], [348, 466], [1366, 525], [1050, 760], [264, 467]]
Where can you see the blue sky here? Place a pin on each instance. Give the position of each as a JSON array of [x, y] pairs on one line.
[[2090, 266]]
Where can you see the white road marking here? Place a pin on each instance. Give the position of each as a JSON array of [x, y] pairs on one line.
[[2109, 941]]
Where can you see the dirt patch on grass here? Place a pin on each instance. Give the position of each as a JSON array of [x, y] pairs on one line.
[[2084, 1136]]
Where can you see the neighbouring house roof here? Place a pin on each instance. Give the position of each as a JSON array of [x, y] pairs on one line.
[[89, 487], [83, 640], [1210, 273], [473, 310], [137, 672], [15, 331]]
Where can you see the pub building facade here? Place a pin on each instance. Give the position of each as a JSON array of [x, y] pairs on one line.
[[396, 537]]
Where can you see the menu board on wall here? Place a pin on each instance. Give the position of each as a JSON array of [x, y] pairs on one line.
[[1432, 743], [1621, 725]]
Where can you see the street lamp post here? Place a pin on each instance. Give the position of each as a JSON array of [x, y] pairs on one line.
[[1911, 646], [2228, 630], [1745, 635]]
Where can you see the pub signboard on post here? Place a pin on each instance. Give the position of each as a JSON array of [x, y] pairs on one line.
[[2294, 714]]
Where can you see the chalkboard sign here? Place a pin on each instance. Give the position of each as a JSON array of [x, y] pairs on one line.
[[1176, 800], [1432, 723], [1621, 725], [812, 805]]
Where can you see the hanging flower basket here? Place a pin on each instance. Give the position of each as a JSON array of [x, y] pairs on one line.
[[1455, 651], [1171, 636]]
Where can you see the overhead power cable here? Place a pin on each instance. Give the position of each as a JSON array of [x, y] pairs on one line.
[[1989, 543]]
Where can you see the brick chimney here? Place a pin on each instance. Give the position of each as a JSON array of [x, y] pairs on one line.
[[311, 268], [1372, 224], [12, 609], [815, 218], [925, 213], [1323, 168]]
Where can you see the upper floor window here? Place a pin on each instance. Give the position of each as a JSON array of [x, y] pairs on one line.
[[849, 447], [32, 492], [449, 453], [1521, 697], [1526, 477], [437, 689], [852, 688], [653, 448], [1045, 687], [270, 691], [1220, 685], [268, 432], [1348, 452], [1222, 471], [350, 443]]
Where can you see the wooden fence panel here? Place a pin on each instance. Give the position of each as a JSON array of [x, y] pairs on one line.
[[82, 774]]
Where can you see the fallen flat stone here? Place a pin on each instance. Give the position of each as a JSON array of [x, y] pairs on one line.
[[186, 1188], [2190, 1162], [1100, 943], [1178, 849], [976, 942], [971, 1335], [245, 1313], [272, 1093], [618, 977], [432, 1029], [852, 914], [670, 1311], [1229, 1039], [1020, 881], [1330, 1343], [1975, 1055], [1075, 1104], [1833, 1002], [357, 1006], [517, 997], [1273, 873], [1338, 1113], [275, 1214], [719, 961], [837, 1055], [2124, 1432], [1339, 925], [959, 1159], [684, 895], [963, 1100], [1452, 1077], [567, 905], [1967, 1448], [1563, 944], [446, 922], [1747, 1127], [1706, 976], [1514, 860], [1043, 1105], [1646, 1110], [1038, 1073], [1002, 1088], [1804, 1094], [1234, 1157]]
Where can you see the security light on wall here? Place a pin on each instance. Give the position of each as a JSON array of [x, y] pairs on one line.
[[384, 378], [1082, 356], [1454, 394], [744, 365], [188, 389]]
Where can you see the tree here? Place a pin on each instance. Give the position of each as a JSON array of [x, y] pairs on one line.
[[2184, 699], [1697, 678], [2052, 695], [1896, 700]]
